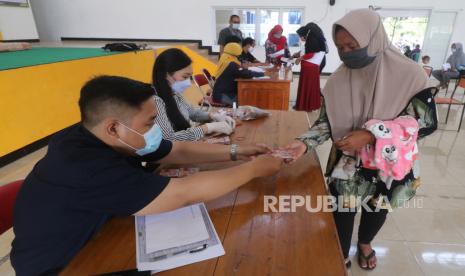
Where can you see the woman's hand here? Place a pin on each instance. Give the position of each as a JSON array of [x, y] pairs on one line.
[[298, 60], [217, 117], [297, 149], [296, 55], [355, 140]]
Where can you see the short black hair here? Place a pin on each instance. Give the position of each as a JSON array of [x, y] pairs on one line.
[[233, 16], [248, 41], [104, 96], [232, 39]]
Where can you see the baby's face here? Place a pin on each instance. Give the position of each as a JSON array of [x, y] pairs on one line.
[[380, 131], [390, 153]]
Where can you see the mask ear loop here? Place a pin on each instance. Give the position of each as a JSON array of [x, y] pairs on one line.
[[119, 139]]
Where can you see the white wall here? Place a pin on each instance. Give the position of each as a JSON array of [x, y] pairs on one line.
[[183, 19], [17, 23]]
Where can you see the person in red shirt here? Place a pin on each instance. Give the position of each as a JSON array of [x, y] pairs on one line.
[[312, 59]]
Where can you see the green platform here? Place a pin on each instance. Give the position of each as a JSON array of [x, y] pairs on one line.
[[37, 56]]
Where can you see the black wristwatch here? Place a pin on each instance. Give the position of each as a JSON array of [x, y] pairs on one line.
[[233, 152]]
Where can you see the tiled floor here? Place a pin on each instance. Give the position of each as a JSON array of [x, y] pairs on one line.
[[426, 239]]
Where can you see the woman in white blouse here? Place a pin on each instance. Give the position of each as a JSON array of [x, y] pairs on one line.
[[179, 120]]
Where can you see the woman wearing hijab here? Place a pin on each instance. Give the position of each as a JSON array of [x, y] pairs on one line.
[[375, 81], [229, 69], [178, 120], [276, 42], [312, 59], [456, 62]]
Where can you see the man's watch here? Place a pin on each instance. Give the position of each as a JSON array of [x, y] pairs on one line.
[[233, 152]]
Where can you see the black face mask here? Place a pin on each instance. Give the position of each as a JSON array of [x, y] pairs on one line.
[[356, 59]]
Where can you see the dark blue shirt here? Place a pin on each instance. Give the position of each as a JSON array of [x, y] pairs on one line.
[[226, 83], [79, 184]]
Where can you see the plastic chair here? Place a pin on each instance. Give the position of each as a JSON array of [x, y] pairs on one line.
[[207, 99], [8, 195]]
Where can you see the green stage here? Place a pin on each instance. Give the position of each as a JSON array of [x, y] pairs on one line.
[[37, 56]]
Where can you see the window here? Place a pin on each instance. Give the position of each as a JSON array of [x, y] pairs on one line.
[[405, 27], [261, 20], [430, 29]]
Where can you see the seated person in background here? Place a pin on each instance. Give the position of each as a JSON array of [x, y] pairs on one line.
[[275, 43], [229, 69], [454, 63], [172, 73], [92, 171], [425, 60], [17, 46], [248, 45]]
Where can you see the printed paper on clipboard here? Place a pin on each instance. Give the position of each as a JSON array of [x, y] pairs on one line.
[[176, 238]]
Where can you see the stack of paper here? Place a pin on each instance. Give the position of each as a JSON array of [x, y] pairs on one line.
[[172, 239], [256, 69]]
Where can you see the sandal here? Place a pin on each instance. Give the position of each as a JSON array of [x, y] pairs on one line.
[[360, 256]]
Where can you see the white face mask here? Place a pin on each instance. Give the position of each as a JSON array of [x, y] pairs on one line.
[[277, 35], [453, 50], [180, 86], [236, 26]]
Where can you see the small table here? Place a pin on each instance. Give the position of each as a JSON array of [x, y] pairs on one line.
[[256, 242], [272, 93]]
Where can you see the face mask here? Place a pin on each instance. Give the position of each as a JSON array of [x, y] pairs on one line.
[[236, 26], [181, 86], [357, 59], [277, 35], [453, 50], [152, 140]]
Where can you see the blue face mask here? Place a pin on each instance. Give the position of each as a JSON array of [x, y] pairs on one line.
[[152, 140], [180, 86]]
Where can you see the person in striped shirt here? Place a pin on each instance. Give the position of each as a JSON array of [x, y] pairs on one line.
[[178, 120]]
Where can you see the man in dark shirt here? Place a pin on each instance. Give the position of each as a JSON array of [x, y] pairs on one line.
[[92, 171], [248, 45], [231, 30]]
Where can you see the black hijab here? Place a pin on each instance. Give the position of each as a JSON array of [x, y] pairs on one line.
[[315, 39]]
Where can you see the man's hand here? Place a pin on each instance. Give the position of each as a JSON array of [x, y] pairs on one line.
[[246, 152], [355, 140], [266, 165], [297, 149]]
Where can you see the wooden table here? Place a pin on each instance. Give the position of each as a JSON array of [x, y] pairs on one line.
[[256, 243], [270, 93]]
